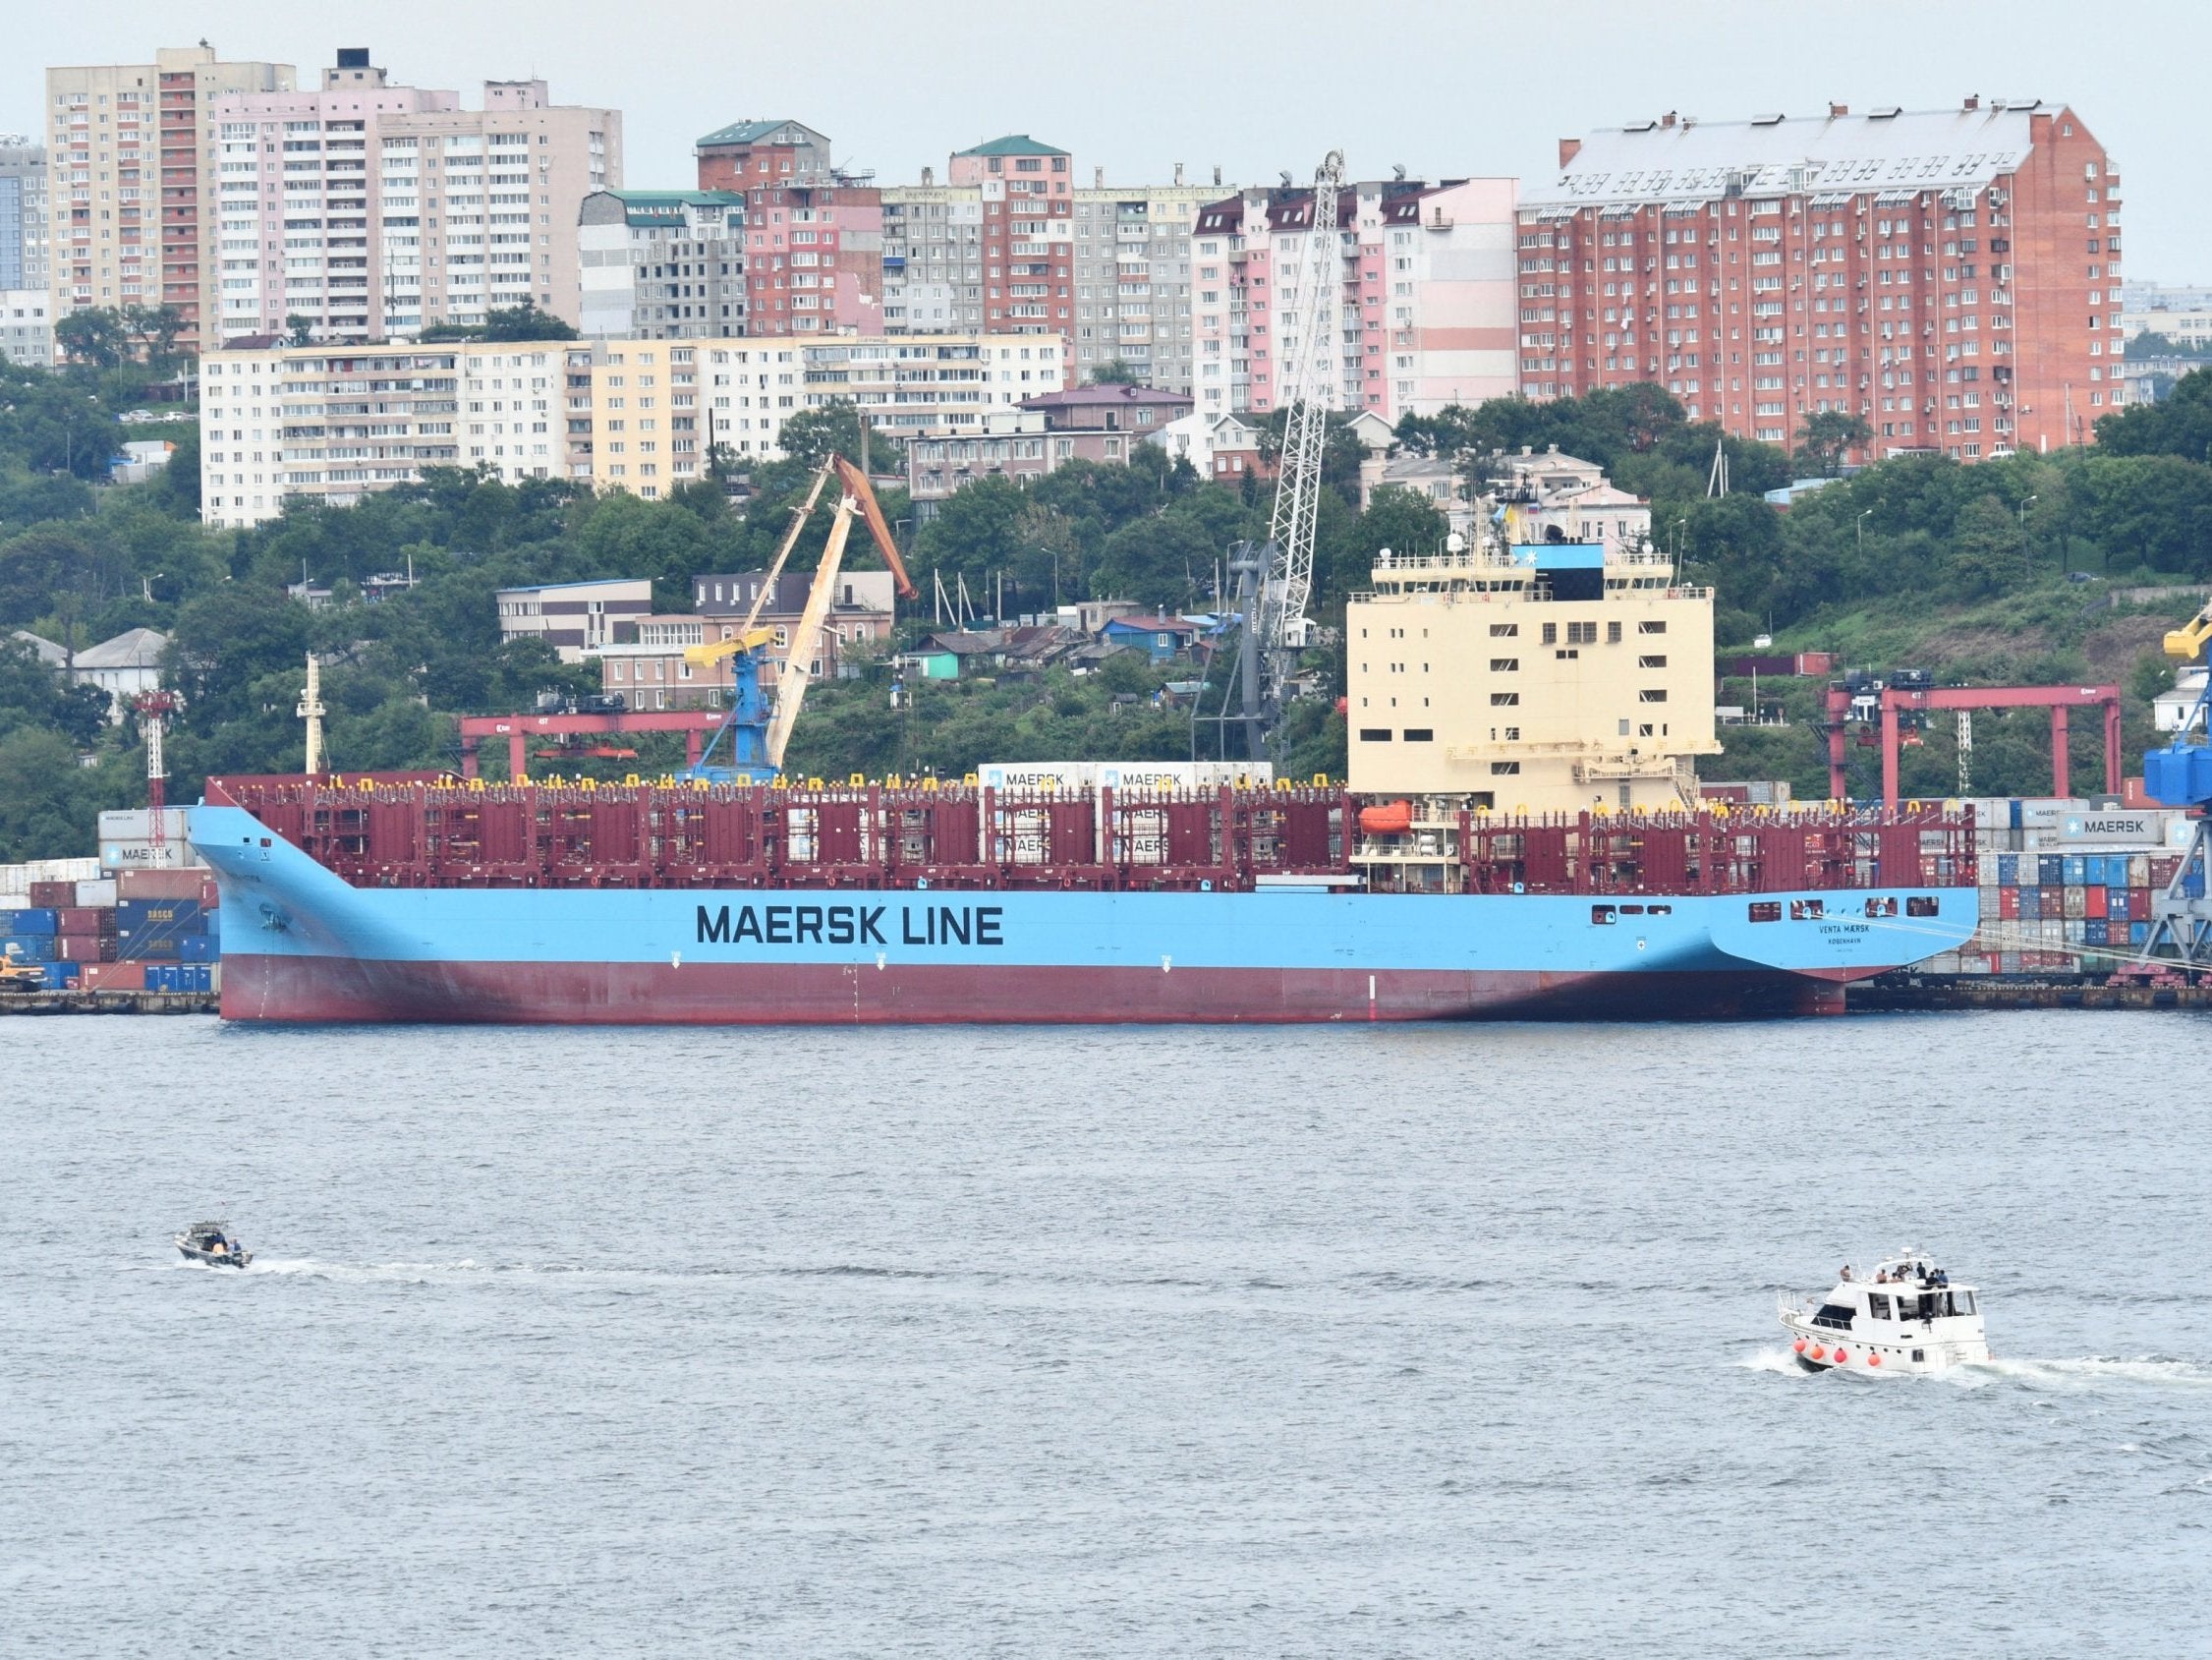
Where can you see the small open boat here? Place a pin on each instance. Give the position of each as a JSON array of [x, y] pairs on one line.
[[211, 1242]]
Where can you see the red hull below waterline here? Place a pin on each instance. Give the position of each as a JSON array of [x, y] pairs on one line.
[[316, 989]]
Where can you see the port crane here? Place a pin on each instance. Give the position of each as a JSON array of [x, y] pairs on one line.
[[2180, 775], [758, 730], [1275, 579]]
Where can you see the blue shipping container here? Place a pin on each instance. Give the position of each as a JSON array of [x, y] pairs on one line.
[[2008, 870], [2139, 933], [60, 976], [2094, 933], [212, 922], [202, 977], [2076, 869], [148, 948], [197, 948], [2192, 885], [180, 916], [2050, 869], [39, 921], [2032, 904], [29, 948]]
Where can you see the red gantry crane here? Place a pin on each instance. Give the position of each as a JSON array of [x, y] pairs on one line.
[[1894, 700]]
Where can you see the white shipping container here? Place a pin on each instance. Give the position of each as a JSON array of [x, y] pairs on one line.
[[136, 824], [15, 901], [99, 895], [63, 870], [146, 856]]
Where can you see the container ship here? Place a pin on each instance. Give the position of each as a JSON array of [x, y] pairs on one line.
[[1520, 836]]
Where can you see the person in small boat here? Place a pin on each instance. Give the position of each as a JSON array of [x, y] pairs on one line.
[[1847, 1274], [1881, 1276]]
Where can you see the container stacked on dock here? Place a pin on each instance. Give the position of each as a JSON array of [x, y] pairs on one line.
[[142, 917], [2067, 886], [40, 921]]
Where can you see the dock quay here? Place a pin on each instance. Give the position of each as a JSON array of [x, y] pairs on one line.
[[1908, 991], [112, 1002]]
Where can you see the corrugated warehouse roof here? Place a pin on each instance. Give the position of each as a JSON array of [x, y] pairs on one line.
[[1697, 161]]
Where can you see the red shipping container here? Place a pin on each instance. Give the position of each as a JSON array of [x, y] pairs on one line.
[[84, 947], [160, 884], [209, 896], [2138, 904], [115, 976], [52, 895], [2133, 794], [87, 919], [2162, 868], [2008, 903], [2094, 905]]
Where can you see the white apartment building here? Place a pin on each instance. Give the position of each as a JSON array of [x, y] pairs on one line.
[[284, 422], [933, 257], [132, 175], [662, 265], [659, 410], [1133, 278], [367, 210], [27, 331]]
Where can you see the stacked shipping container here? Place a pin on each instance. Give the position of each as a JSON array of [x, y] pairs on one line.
[[145, 919], [2068, 886]]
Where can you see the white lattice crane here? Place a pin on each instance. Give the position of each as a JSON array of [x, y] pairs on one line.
[[1311, 392], [1275, 579]]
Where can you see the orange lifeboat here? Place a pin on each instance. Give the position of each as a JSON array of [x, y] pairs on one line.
[[1392, 818]]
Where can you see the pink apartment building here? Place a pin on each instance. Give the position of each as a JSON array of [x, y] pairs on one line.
[[1425, 316], [369, 209]]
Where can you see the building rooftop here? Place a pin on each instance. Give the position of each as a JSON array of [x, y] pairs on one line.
[[785, 131], [49, 653], [1693, 161], [596, 581], [1087, 396], [133, 648], [1014, 144]]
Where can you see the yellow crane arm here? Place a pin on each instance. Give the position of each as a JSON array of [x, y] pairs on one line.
[[713, 653], [2190, 638], [791, 679], [790, 541]]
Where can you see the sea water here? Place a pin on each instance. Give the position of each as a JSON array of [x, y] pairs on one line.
[[1375, 1341]]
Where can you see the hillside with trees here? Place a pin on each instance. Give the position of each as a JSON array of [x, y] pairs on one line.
[[2020, 569]]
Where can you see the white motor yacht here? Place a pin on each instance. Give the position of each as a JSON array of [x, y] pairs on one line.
[[1907, 1316]]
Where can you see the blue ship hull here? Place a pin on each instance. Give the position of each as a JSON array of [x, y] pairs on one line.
[[302, 945]]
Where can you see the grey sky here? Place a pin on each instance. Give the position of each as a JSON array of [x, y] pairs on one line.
[[1137, 86]]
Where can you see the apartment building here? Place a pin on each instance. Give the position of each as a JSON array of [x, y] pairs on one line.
[[662, 265], [659, 410], [279, 422], [1100, 424], [27, 330], [131, 177], [23, 215], [1952, 276], [815, 236], [933, 257], [1422, 313], [1133, 277], [1028, 233], [367, 210]]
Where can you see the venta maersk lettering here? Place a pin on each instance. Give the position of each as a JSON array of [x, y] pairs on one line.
[[852, 925]]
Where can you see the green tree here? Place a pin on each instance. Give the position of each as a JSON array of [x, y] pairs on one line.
[[811, 435], [300, 330], [1828, 434], [1115, 371], [94, 337]]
